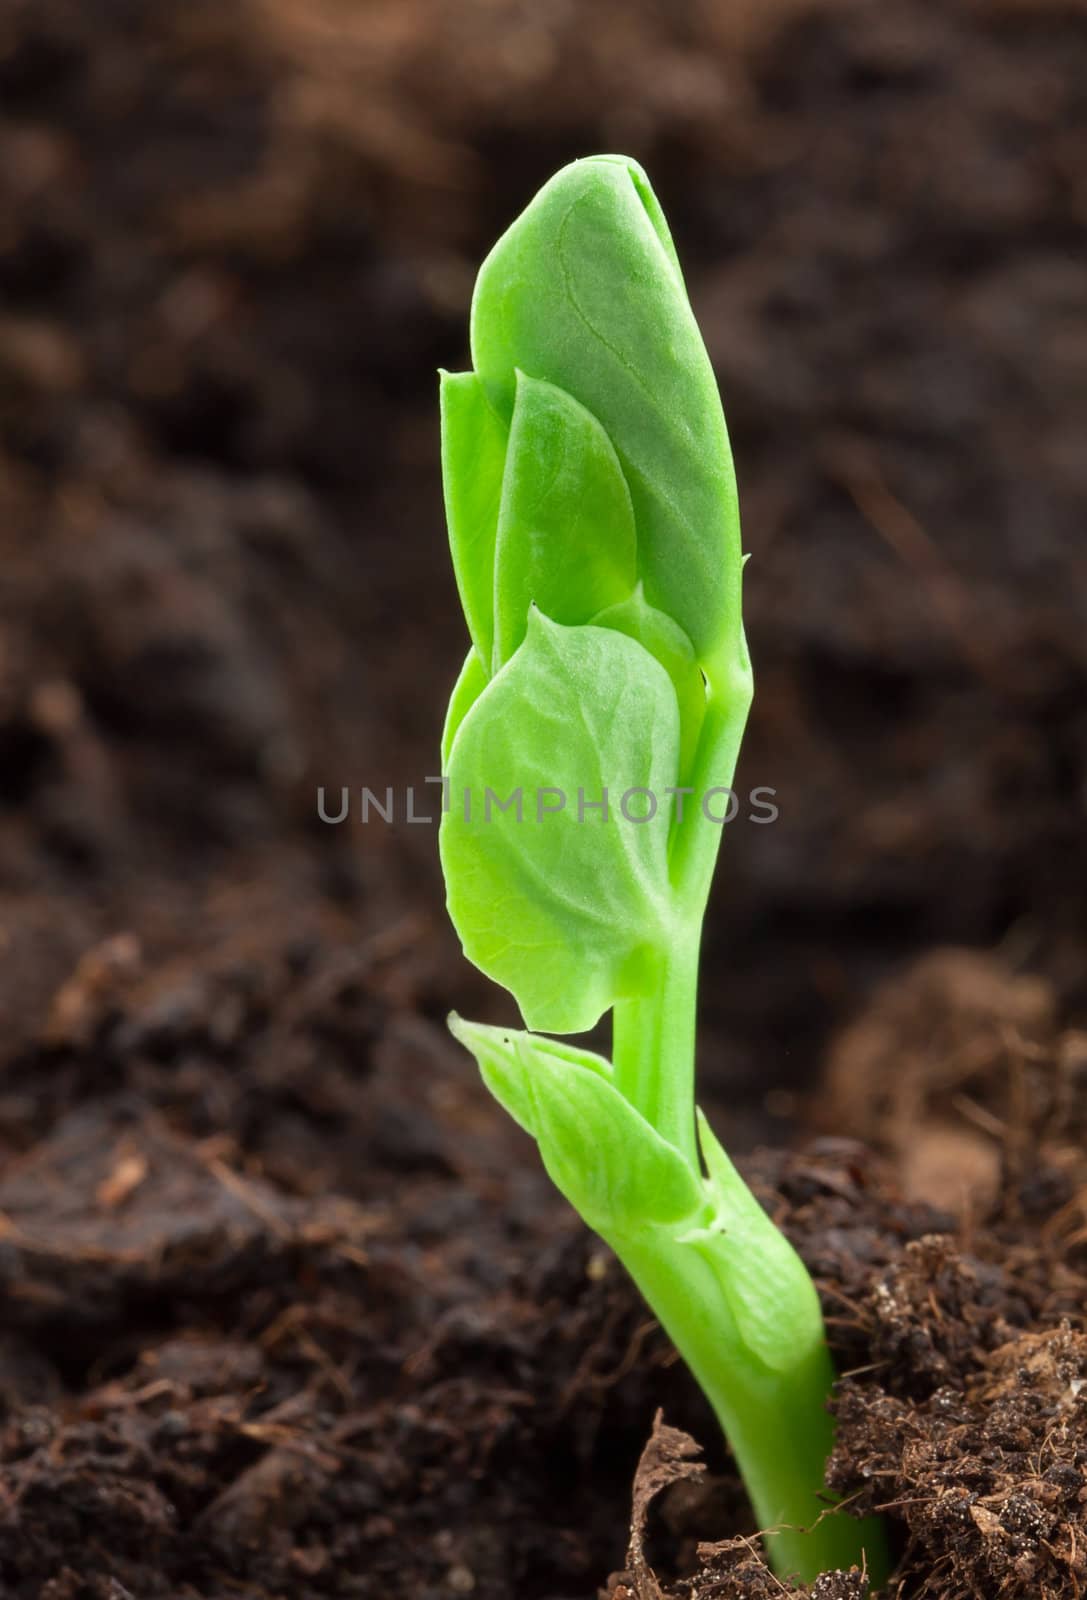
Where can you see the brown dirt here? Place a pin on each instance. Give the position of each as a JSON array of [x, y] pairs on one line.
[[287, 1308]]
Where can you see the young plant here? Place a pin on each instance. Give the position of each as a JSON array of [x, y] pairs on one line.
[[590, 738]]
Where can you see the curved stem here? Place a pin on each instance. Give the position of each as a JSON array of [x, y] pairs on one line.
[[775, 1421], [774, 1416]]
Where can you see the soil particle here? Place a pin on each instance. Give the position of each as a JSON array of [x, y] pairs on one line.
[[988, 1474]]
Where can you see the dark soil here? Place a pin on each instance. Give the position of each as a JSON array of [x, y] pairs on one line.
[[288, 1309]]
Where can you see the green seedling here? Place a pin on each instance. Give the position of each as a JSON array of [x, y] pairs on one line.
[[595, 538]]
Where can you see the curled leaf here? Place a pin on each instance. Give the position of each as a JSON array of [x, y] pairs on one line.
[[584, 292], [469, 686], [608, 1161], [566, 540], [500, 1056], [474, 439]]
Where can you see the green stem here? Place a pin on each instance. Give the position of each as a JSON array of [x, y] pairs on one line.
[[775, 1420], [654, 1037], [773, 1415], [653, 1042]]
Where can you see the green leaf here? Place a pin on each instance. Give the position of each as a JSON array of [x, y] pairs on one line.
[[613, 1167], [667, 641], [474, 439], [466, 691], [568, 909], [767, 1286], [499, 1053], [566, 539], [584, 292]]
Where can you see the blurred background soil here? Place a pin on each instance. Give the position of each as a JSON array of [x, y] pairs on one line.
[[235, 243]]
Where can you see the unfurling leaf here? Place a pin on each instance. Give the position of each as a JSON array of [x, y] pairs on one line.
[[565, 905]]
